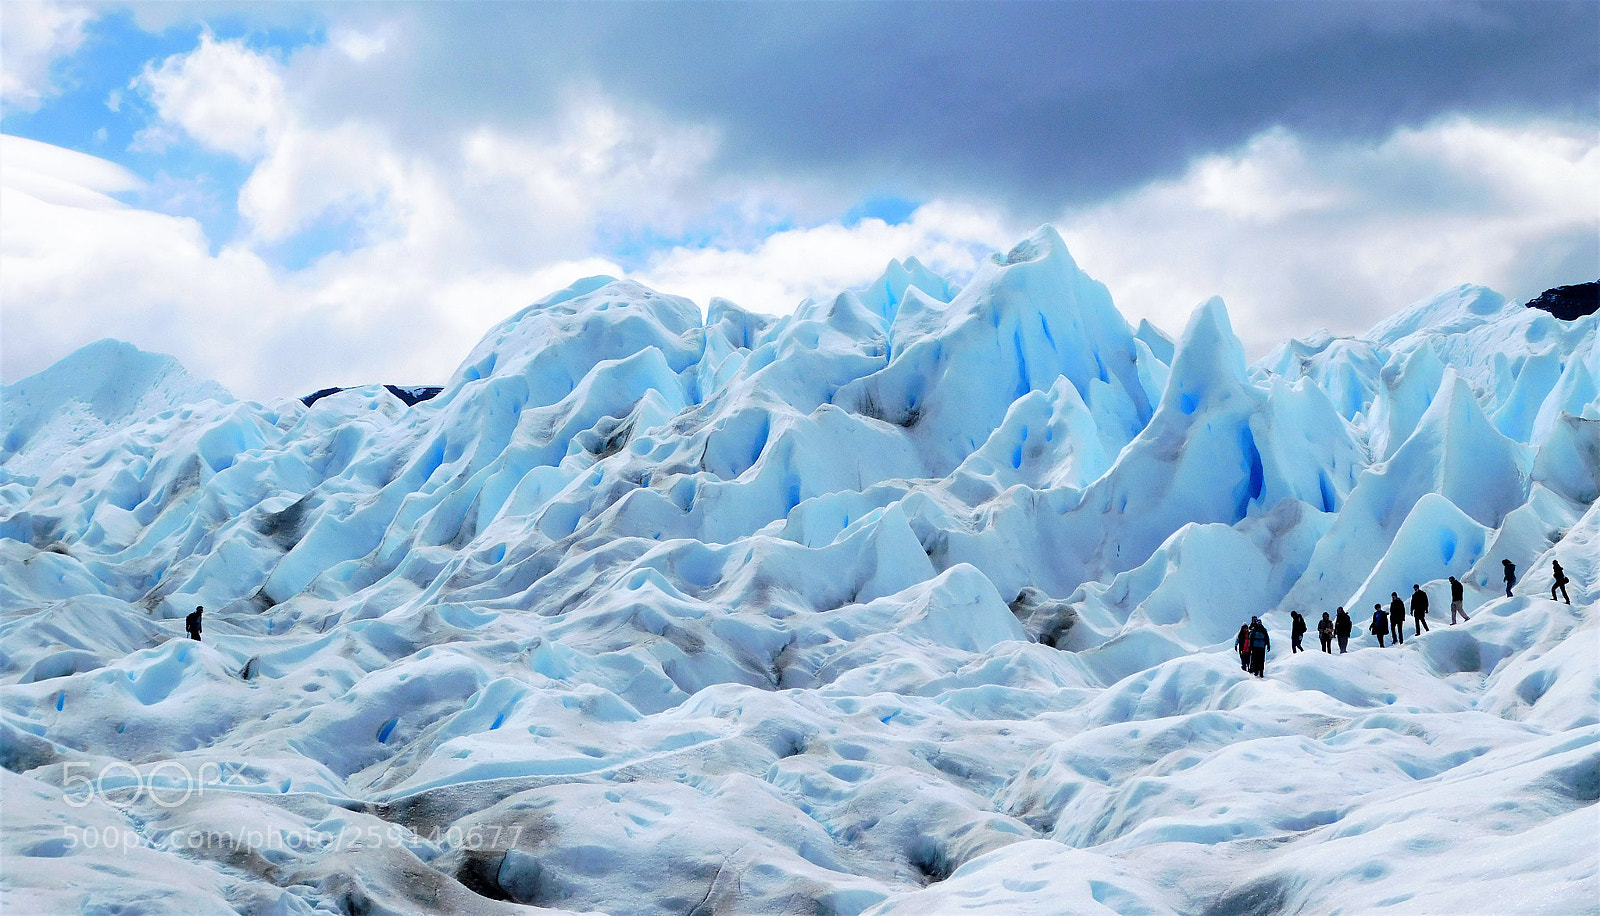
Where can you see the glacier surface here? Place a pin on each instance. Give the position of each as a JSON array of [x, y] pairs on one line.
[[919, 600]]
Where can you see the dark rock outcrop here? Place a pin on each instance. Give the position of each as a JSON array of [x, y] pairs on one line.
[[412, 396], [1569, 302]]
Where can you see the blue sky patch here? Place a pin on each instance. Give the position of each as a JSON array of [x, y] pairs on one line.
[[891, 209], [97, 110], [335, 230]]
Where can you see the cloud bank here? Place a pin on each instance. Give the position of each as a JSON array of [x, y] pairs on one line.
[[406, 176]]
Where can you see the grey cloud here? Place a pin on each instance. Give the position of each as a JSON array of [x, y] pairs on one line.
[[1556, 260], [1038, 105]]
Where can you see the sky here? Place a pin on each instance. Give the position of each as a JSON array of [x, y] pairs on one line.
[[293, 196]]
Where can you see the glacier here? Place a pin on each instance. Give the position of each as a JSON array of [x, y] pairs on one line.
[[920, 599]]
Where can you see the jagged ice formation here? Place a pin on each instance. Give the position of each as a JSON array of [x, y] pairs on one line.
[[920, 599]]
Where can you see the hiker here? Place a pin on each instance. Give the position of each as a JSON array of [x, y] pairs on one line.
[[1419, 608], [1397, 619], [1511, 575], [1456, 592], [1297, 632], [1242, 643], [1561, 583], [1259, 644], [1325, 633], [191, 624], [1380, 623], [1342, 625]]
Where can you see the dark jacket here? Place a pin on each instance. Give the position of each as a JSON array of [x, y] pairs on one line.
[[1298, 628], [1380, 622], [1397, 608], [1259, 638], [1343, 624], [1419, 602], [1456, 590], [1324, 627]]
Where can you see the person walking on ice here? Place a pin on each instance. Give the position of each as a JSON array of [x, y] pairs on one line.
[[1380, 623], [1419, 608], [1397, 619], [1560, 582], [1297, 632], [1511, 575], [1259, 644], [1456, 593], [191, 624], [1242, 644], [1342, 625], [1325, 633]]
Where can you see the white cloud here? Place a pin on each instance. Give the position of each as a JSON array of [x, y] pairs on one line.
[[1368, 229], [32, 37], [356, 45], [593, 162], [1260, 185], [76, 265], [61, 175], [524, 194], [544, 192], [345, 170], [439, 247], [1297, 235], [787, 267], [223, 94]]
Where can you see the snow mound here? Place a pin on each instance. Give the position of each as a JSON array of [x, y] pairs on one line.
[[99, 388]]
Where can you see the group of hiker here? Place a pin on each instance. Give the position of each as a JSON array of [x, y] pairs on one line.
[[1558, 582], [1392, 623], [1253, 641]]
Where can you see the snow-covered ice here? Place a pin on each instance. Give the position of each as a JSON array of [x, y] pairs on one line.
[[919, 600]]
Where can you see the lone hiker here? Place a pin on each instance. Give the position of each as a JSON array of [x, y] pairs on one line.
[[1419, 608], [1456, 593], [1561, 582], [1297, 632], [1380, 623], [1325, 633], [1242, 643], [191, 623], [1342, 625], [1259, 644], [1397, 619], [1511, 576]]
